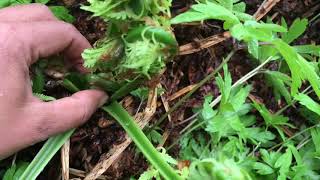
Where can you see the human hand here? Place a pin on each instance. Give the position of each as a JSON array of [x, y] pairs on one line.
[[28, 33]]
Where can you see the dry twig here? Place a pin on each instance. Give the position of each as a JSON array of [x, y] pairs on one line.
[[65, 160]]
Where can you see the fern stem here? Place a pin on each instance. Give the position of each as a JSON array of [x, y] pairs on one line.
[[142, 142]]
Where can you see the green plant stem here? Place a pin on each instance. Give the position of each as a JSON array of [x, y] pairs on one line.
[[126, 89], [142, 142], [49, 149], [294, 136], [200, 84], [70, 86], [294, 101]]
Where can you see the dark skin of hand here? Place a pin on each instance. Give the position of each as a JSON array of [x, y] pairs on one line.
[[28, 33]]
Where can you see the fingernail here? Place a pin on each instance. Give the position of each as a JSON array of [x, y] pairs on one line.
[[103, 100]]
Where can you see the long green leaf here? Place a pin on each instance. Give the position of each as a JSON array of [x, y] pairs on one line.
[[142, 142], [49, 149], [308, 102]]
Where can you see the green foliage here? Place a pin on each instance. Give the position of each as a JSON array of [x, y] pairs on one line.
[[300, 68], [49, 149], [41, 1], [279, 81], [274, 120], [111, 10], [296, 30], [220, 170], [137, 45], [15, 171], [226, 11], [315, 134], [38, 81], [60, 12], [158, 160], [231, 117], [144, 57], [253, 32], [226, 141], [308, 102]]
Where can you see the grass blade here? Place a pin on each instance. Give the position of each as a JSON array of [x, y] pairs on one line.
[[49, 149], [142, 142]]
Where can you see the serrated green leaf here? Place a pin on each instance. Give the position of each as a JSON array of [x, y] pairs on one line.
[[204, 11], [308, 102], [284, 163], [299, 67], [228, 4], [169, 159], [262, 169], [308, 49], [224, 85], [149, 174], [141, 93], [271, 119], [258, 135], [207, 112], [265, 26], [9, 174], [270, 158], [296, 154], [278, 82], [284, 23], [62, 13], [296, 29], [42, 1], [253, 48], [253, 30], [240, 7], [243, 16], [238, 98], [15, 171], [315, 134], [155, 136]]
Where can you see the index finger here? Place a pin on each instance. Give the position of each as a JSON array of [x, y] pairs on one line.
[[30, 12], [46, 38]]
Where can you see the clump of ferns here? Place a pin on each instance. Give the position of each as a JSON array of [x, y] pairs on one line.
[[124, 59]]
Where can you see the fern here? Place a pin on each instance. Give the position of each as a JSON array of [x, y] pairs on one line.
[[108, 8], [144, 56], [105, 52]]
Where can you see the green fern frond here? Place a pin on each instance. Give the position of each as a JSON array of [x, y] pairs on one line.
[[144, 57], [103, 52], [107, 9]]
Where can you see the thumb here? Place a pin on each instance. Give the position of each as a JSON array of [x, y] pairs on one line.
[[63, 114]]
